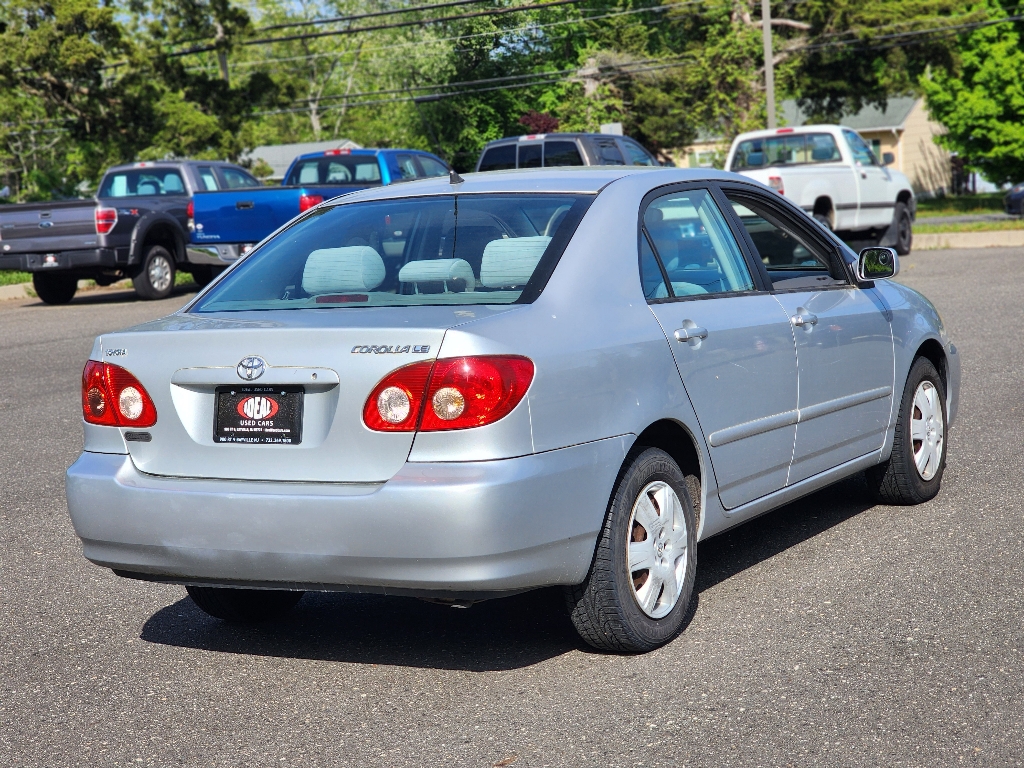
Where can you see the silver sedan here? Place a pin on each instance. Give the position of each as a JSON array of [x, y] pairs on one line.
[[460, 389]]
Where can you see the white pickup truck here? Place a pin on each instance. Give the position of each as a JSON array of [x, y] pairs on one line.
[[831, 172]]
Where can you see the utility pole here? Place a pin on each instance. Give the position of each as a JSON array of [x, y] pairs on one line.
[[769, 62]]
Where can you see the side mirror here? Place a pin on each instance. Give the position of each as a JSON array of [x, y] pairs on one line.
[[878, 264], [888, 158]]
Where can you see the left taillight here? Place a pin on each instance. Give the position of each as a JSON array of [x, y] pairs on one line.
[[308, 201], [450, 393], [190, 214], [106, 220], [113, 397]]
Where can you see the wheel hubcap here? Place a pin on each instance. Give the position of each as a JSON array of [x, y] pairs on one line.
[[160, 274], [657, 550], [927, 430]]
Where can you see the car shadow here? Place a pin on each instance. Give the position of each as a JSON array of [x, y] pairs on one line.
[[494, 635], [116, 296]]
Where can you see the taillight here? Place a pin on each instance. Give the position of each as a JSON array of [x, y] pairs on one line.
[[452, 393], [114, 397], [190, 213], [308, 201], [106, 220], [775, 182]]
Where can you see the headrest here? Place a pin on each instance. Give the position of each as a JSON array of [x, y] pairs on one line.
[[439, 270], [337, 270], [822, 153], [679, 289], [511, 261], [755, 158]]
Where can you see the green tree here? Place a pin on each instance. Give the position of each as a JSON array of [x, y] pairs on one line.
[[981, 101]]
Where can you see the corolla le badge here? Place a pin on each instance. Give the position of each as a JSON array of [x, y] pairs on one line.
[[251, 368]]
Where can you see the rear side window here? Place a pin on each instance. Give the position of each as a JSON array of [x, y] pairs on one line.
[[609, 152], [336, 169], [450, 249], [637, 155], [142, 182], [432, 167], [407, 167], [558, 153], [208, 178], [530, 155], [236, 179], [694, 246], [499, 158]]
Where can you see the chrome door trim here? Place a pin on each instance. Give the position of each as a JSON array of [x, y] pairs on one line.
[[797, 416]]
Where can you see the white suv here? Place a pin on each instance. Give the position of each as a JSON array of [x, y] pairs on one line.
[[831, 172]]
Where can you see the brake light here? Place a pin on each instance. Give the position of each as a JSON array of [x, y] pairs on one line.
[[308, 201], [775, 182], [784, 130], [190, 213], [452, 393], [113, 397], [106, 220]]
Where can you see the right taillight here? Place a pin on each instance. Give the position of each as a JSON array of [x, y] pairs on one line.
[[308, 201], [775, 182], [113, 397], [452, 393], [106, 220]]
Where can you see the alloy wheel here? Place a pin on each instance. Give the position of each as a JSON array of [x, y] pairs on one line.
[[160, 274]]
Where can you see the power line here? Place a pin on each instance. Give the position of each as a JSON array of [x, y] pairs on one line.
[[868, 44], [370, 14]]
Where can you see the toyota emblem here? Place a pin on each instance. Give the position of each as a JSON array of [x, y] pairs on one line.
[[251, 368]]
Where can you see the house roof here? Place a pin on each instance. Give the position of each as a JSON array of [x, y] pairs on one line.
[[870, 118], [280, 156]]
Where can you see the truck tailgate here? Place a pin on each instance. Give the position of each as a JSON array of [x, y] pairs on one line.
[[48, 227]]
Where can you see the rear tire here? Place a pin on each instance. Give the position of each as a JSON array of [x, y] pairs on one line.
[[913, 473], [155, 278], [622, 606], [54, 287], [904, 229], [244, 606], [203, 274], [824, 219]]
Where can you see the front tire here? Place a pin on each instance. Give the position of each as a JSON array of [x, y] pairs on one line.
[[155, 278], [904, 229], [244, 606], [636, 596], [913, 473], [54, 287]]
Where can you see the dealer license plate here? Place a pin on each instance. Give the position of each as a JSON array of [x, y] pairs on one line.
[[258, 415]]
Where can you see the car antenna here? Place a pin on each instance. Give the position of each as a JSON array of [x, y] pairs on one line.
[[454, 178]]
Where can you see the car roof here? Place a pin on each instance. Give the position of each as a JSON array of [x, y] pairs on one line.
[[576, 179], [337, 153], [796, 129], [170, 164], [540, 136]]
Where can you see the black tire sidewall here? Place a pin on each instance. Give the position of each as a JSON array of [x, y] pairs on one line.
[[824, 220], [54, 287], [648, 466], [922, 370], [143, 286], [900, 216]]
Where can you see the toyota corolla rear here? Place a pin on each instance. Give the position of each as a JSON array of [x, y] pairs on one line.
[[303, 422]]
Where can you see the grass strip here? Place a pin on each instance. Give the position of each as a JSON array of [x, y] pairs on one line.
[[970, 226]]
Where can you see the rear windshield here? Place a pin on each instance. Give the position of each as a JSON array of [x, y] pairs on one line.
[[787, 149], [142, 182], [336, 169], [450, 249]]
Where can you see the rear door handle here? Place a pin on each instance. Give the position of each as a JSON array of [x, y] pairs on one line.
[[244, 205], [692, 333], [803, 318]]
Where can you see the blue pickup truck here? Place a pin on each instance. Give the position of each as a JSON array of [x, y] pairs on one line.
[[224, 224]]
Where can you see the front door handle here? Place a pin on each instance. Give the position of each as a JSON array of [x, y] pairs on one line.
[[244, 205], [692, 333], [803, 318]]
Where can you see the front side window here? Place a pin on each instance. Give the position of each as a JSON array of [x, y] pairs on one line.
[[793, 259], [561, 153], [609, 152], [862, 154], [694, 245], [236, 179], [336, 169], [142, 183], [432, 167], [407, 166], [499, 158], [451, 249]]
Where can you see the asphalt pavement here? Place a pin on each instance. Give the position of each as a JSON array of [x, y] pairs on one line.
[[831, 632]]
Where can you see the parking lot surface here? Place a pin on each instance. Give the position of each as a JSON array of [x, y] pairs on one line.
[[829, 633]]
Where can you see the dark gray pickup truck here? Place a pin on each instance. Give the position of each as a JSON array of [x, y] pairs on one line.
[[137, 226]]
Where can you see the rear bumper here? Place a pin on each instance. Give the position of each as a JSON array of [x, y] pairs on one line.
[[94, 258], [218, 255], [438, 528]]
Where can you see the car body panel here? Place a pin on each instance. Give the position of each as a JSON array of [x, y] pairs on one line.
[[509, 506]]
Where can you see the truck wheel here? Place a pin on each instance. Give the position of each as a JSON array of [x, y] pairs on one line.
[[54, 287], [904, 229], [155, 278], [638, 590], [203, 274], [824, 219], [244, 606]]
